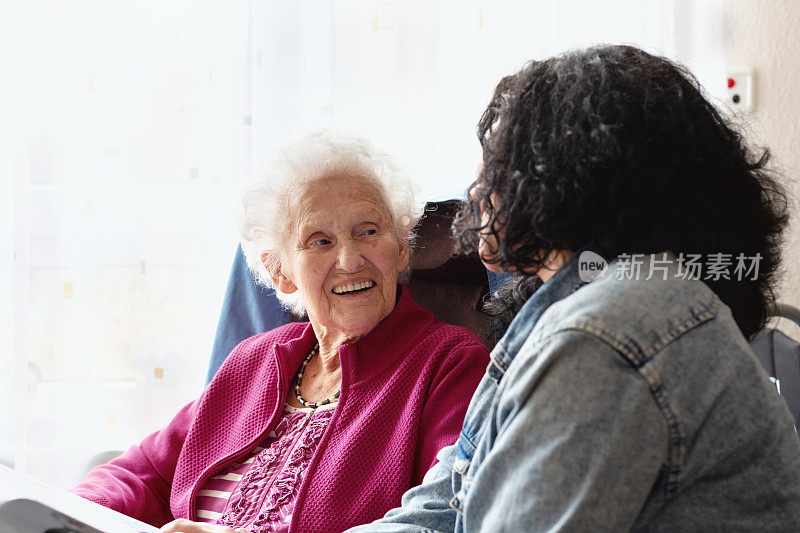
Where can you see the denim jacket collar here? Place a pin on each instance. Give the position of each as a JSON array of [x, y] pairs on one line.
[[563, 283]]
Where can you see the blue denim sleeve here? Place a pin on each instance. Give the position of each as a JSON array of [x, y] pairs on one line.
[[576, 442], [426, 507]]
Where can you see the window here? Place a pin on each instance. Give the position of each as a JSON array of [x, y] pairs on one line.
[[134, 127]]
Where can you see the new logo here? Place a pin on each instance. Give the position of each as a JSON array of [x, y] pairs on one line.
[[591, 266]]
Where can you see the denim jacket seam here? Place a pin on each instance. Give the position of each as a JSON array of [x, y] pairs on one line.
[[627, 347], [499, 359], [638, 357], [698, 317], [675, 434], [471, 446], [632, 350]]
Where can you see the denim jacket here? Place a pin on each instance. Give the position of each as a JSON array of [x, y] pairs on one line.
[[616, 405]]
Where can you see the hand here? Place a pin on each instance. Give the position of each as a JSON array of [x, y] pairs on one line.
[[181, 525]]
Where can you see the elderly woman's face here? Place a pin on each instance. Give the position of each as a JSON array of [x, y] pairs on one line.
[[344, 256]]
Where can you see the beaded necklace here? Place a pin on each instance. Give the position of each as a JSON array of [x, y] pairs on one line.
[[313, 405]]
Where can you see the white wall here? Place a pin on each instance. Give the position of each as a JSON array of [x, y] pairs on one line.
[[765, 35]]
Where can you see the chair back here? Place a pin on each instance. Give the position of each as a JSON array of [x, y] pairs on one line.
[[780, 356]]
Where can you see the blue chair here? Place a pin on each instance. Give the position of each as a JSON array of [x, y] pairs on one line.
[[248, 309]]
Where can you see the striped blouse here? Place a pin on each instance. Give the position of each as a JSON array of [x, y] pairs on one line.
[[259, 493]]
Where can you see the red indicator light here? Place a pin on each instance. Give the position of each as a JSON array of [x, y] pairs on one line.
[[731, 83]]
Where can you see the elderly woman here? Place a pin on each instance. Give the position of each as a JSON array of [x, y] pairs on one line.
[[319, 425], [624, 398]]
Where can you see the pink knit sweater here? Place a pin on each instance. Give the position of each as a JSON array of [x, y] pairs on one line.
[[405, 390]]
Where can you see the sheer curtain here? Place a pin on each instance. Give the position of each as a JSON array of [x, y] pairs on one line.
[[134, 126], [131, 139], [415, 75]]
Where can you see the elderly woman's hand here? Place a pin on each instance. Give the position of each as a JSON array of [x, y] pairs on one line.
[[182, 525]]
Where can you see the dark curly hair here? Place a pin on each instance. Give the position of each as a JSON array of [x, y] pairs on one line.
[[615, 146]]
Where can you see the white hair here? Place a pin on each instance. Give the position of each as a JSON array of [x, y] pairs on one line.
[[266, 221]]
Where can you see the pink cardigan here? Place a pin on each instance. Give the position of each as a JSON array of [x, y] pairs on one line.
[[405, 390]]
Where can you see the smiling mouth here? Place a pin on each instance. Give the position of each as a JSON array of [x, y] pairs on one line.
[[353, 288]]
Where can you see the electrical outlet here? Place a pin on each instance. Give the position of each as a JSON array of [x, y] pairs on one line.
[[740, 90]]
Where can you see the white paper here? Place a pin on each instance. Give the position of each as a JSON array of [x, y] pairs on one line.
[[13, 514]]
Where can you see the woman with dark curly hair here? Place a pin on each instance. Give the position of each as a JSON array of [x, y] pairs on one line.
[[644, 237]]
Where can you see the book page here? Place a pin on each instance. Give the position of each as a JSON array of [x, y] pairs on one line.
[[15, 486]]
